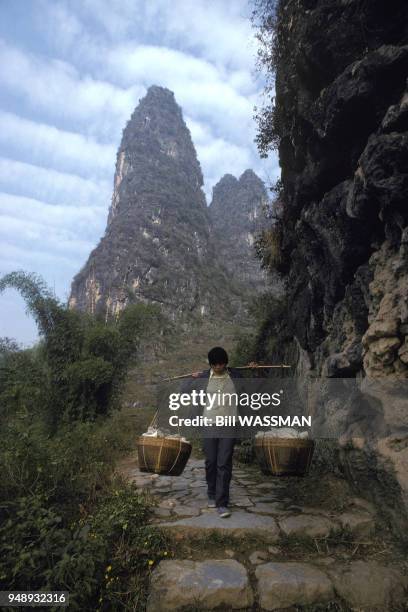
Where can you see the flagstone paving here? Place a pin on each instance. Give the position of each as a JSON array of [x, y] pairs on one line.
[[258, 506], [265, 511]]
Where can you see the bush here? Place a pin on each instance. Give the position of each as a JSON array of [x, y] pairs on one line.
[[244, 349], [62, 526], [79, 369], [70, 518], [71, 467], [268, 247], [38, 551], [94, 558], [271, 341]]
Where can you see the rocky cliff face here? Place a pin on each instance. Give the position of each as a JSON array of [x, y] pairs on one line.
[[341, 120], [342, 112], [238, 213], [159, 245]]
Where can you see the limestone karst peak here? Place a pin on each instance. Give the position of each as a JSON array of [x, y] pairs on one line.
[[227, 178], [158, 246], [250, 177], [236, 212], [248, 174]]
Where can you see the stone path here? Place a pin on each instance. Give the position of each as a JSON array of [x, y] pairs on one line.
[[258, 504], [263, 511]]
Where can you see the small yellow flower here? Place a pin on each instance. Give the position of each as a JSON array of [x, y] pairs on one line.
[[151, 561], [165, 553], [100, 599], [108, 569]]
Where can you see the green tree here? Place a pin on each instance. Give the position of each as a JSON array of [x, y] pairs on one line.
[[81, 363], [265, 17]]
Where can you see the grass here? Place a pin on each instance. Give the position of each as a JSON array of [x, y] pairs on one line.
[[214, 544], [332, 606]]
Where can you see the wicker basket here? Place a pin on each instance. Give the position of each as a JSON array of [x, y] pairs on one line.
[[284, 456], [162, 455]]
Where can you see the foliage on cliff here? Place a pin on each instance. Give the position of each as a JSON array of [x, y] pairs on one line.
[[270, 341]]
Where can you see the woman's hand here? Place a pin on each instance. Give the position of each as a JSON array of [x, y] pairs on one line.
[[195, 374]]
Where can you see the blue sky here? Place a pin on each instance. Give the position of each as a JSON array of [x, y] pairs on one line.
[[71, 73]]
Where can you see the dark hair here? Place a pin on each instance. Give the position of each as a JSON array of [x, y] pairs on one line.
[[217, 355]]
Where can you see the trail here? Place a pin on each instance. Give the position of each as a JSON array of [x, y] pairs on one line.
[[311, 541], [289, 541]]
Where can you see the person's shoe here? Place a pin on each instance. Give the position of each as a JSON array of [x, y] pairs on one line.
[[211, 502], [223, 512]]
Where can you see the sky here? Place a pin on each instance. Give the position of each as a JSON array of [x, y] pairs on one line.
[[71, 73]]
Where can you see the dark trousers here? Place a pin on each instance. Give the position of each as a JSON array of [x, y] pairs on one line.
[[218, 467]]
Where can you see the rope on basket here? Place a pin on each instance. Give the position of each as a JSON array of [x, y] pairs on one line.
[[159, 456], [177, 458], [144, 456], [153, 423]]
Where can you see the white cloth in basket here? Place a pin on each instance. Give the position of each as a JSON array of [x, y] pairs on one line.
[[153, 432], [283, 432]]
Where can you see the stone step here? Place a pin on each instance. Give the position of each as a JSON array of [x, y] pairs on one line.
[[239, 524], [181, 585], [227, 585], [264, 520]]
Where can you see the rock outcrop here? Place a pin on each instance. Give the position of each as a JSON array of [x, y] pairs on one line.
[[157, 242], [158, 245], [341, 121], [238, 213], [342, 106]]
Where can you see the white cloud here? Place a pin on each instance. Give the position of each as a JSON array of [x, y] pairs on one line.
[[58, 88], [202, 90], [52, 186], [15, 257], [59, 240], [218, 157], [39, 236], [84, 221], [218, 30], [62, 150], [14, 319], [64, 28]]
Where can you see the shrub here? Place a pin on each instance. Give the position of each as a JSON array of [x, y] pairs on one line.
[[93, 558], [265, 20], [62, 527], [271, 342], [38, 551], [23, 381], [268, 247], [244, 349], [72, 467], [79, 371]]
